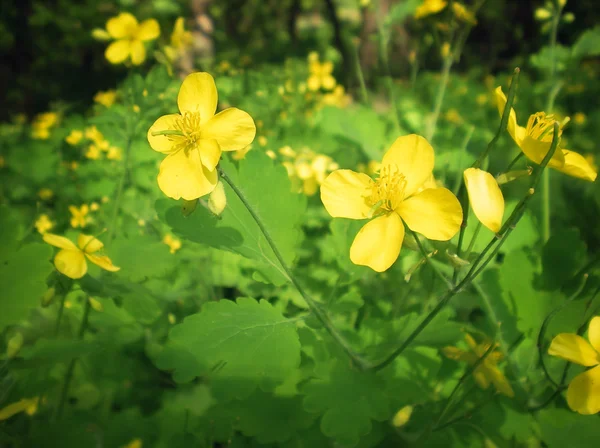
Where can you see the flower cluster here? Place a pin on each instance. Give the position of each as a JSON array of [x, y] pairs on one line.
[[42, 124], [306, 169], [321, 76], [96, 143], [180, 40]]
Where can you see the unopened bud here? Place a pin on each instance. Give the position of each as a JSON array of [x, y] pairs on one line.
[[14, 345], [217, 201], [531, 191], [188, 207], [100, 34], [402, 416], [48, 296], [569, 17], [542, 14], [96, 305], [562, 3]]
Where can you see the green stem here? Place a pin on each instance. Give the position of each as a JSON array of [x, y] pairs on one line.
[[361, 78], [463, 227], [480, 263], [428, 260], [71, 368], [473, 239], [439, 99], [312, 303]]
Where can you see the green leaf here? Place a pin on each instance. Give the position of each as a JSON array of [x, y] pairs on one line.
[[588, 44], [563, 255], [547, 58], [563, 427], [349, 401], [246, 343], [141, 258], [268, 189]]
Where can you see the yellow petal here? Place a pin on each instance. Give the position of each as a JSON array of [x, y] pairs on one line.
[[182, 175], [378, 243], [343, 194], [122, 25], [90, 243], [499, 381], [457, 354], [59, 241], [434, 213], [118, 51], [413, 156], [515, 131], [210, 153], [594, 333], [148, 30], [577, 166], [103, 261], [71, 263], [574, 348], [198, 93], [481, 378], [328, 82], [232, 128], [138, 52], [536, 150], [486, 198], [163, 143], [583, 395], [313, 83], [17, 407]]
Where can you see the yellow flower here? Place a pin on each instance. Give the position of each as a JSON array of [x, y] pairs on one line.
[[392, 200], [94, 206], [194, 139], [92, 133], [114, 153], [481, 99], [453, 116], [70, 260], [320, 74], [45, 194], [583, 395], [74, 137], [402, 417], [180, 40], [130, 37], [462, 13], [579, 118], [41, 125], [93, 152], [173, 243], [429, 7], [485, 197], [79, 216], [43, 224], [487, 371], [337, 98], [106, 98], [535, 141], [27, 405], [135, 443]]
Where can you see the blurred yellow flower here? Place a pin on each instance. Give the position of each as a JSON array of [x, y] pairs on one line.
[[402, 417], [27, 405], [485, 197], [79, 216], [94, 206], [194, 139], [453, 116], [180, 40], [42, 123], [45, 194], [583, 394], [129, 38], [306, 169], [487, 372], [337, 98], [481, 99], [43, 224], [93, 152], [74, 137], [535, 141], [106, 98], [135, 443], [392, 200], [579, 118], [320, 74], [429, 7], [262, 140], [71, 259], [173, 243], [114, 153], [96, 304], [462, 13]]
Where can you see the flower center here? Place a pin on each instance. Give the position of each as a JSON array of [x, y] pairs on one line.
[[387, 192], [541, 126], [189, 125]]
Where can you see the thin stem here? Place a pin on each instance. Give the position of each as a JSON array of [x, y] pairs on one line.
[[360, 76], [312, 304], [439, 98], [71, 369], [479, 264], [428, 260], [514, 161], [121, 185], [473, 239], [383, 53]]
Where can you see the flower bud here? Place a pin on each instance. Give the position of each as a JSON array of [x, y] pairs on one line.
[[188, 207], [542, 14], [100, 34], [14, 345], [48, 296], [568, 17], [402, 416], [217, 201]]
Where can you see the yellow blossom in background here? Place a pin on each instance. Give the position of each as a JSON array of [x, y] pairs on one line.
[[27, 405], [93, 152], [92, 133], [45, 194], [79, 216], [579, 118], [485, 197], [71, 259], [583, 394], [337, 98], [43, 224], [402, 417], [241, 154], [135, 443], [94, 206], [96, 304], [429, 7], [462, 13], [320, 74], [481, 99], [180, 40], [129, 38], [453, 116], [262, 140], [487, 372], [42, 123], [106, 98], [74, 137], [535, 141], [114, 153], [173, 243], [194, 139], [392, 200], [307, 169]]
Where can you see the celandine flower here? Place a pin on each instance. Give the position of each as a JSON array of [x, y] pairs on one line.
[[130, 37], [180, 40], [193, 140], [487, 371], [429, 7], [397, 195], [320, 74], [583, 395], [485, 197], [79, 216], [535, 141], [70, 260]]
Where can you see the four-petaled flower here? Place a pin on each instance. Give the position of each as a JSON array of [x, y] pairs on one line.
[[130, 37], [70, 260], [320, 74], [194, 139], [583, 395], [535, 141], [79, 216], [180, 40], [487, 371], [399, 194], [43, 224]]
